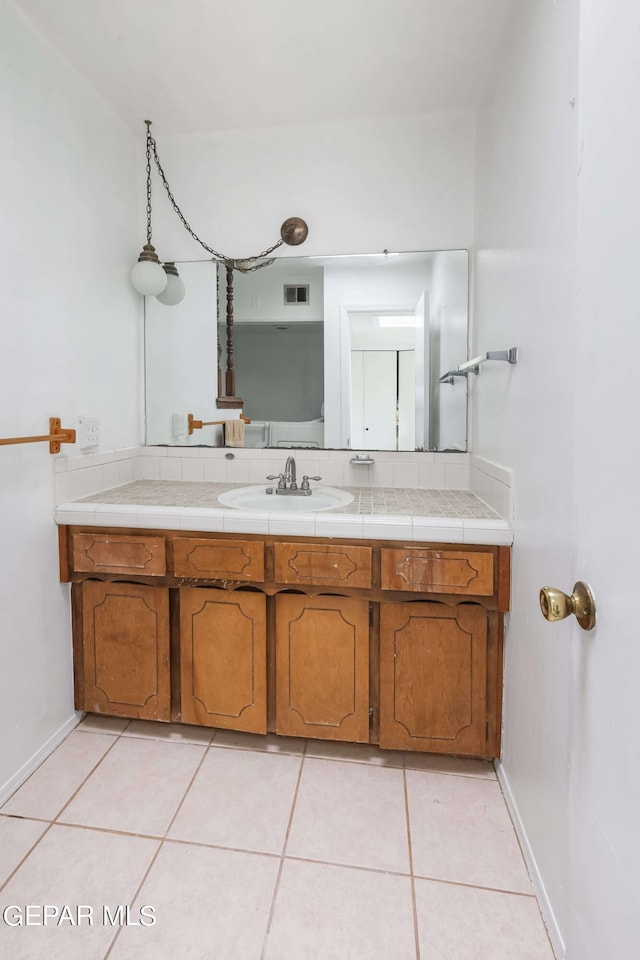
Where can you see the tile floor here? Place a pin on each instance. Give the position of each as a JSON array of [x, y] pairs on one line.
[[253, 848]]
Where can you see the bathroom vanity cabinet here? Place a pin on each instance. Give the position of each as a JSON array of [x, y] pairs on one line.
[[386, 642]]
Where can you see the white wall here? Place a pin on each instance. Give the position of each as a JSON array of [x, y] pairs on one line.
[[523, 415], [69, 346], [403, 183], [448, 342]]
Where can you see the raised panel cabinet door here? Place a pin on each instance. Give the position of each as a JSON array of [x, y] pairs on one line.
[[125, 650], [322, 667], [223, 659], [433, 677]]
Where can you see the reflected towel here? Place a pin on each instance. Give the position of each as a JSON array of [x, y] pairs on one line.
[[234, 433]]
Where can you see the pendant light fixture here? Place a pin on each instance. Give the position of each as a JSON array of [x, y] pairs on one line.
[[148, 277], [174, 291]]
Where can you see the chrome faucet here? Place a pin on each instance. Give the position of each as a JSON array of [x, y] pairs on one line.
[[287, 481], [290, 473]]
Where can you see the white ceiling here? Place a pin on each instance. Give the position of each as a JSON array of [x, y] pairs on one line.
[[195, 66]]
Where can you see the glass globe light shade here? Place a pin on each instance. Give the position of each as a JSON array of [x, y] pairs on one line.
[[148, 278], [174, 291]]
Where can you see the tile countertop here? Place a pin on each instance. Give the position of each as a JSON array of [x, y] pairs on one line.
[[377, 513]]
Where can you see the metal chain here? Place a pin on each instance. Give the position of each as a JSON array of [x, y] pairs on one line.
[[151, 147], [148, 184]]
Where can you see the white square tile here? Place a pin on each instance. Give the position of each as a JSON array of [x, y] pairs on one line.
[[332, 473], [173, 732], [325, 912], [209, 519], [461, 831], [17, 837], [55, 781], [125, 471], [339, 525], [73, 867], [215, 471], [92, 723], [432, 477], [300, 526], [495, 532], [157, 518], [137, 788], [148, 468], [457, 766], [192, 469], [354, 753], [208, 904], [438, 529], [265, 742], [388, 527], [467, 923], [356, 476], [406, 474], [170, 469], [382, 474], [456, 476], [240, 799], [246, 522], [350, 813], [237, 471]]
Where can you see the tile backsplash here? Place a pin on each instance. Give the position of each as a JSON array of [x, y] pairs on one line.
[[80, 476]]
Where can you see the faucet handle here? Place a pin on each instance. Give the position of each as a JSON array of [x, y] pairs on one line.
[[274, 476], [305, 481]]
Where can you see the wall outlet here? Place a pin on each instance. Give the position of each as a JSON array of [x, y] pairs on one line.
[[88, 432]]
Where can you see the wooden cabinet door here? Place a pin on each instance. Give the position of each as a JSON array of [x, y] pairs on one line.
[[223, 669], [322, 667], [433, 677], [125, 650]]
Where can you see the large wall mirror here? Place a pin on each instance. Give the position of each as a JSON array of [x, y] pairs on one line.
[[338, 352]]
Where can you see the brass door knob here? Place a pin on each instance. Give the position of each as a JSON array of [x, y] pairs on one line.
[[556, 605]]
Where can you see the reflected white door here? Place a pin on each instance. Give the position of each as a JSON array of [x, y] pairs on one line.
[[406, 400], [421, 374], [374, 398]]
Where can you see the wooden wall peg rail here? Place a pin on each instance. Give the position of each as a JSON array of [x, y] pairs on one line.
[[57, 435]]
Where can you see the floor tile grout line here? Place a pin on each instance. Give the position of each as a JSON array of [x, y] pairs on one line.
[[135, 896], [476, 886], [184, 795], [81, 785], [414, 908], [25, 857], [53, 821], [161, 842], [276, 886], [349, 866]]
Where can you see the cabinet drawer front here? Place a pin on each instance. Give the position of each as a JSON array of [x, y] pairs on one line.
[[119, 553], [218, 559], [323, 564], [438, 571]]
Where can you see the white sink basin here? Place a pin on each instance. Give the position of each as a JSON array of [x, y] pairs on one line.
[[256, 498]]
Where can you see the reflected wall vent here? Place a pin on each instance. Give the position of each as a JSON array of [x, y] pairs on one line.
[[296, 294]]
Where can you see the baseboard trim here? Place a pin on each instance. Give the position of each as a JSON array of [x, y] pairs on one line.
[[549, 917], [47, 748]]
